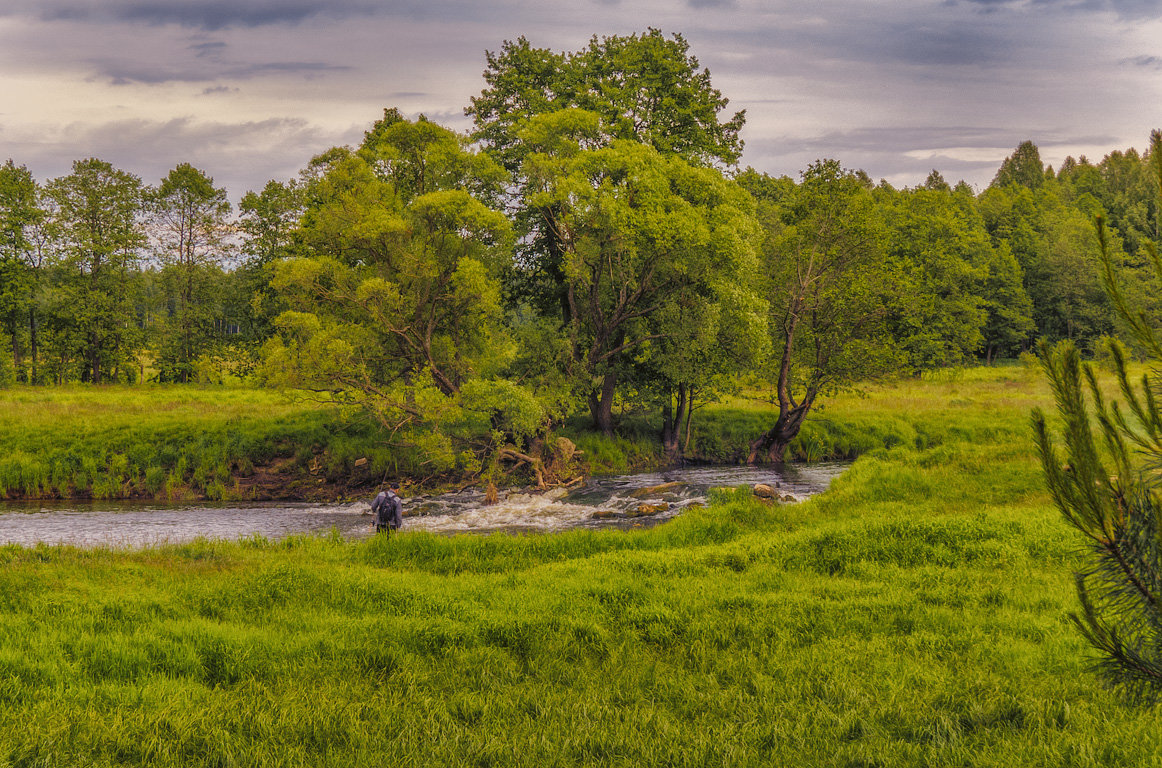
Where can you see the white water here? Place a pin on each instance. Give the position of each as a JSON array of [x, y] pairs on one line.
[[599, 503]]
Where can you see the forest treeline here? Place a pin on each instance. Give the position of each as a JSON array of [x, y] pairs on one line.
[[593, 240]]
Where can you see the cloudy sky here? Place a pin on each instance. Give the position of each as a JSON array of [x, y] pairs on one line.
[[249, 90]]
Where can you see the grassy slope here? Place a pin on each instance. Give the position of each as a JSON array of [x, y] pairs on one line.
[[914, 615], [169, 442]]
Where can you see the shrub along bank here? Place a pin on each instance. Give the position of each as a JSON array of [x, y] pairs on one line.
[[914, 615]]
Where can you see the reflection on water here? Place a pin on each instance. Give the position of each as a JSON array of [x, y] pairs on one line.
[[620, 501]]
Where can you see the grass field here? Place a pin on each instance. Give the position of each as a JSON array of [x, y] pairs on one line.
[[914, 615], [174, 442]]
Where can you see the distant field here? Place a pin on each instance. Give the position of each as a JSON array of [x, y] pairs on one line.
[[914, 615]]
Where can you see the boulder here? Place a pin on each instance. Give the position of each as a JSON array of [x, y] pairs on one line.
[[764, 491], [564, 449], [654, 491], [645, 510]]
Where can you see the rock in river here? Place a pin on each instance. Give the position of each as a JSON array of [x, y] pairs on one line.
[[764, 491], [654, 491], [645, 510]]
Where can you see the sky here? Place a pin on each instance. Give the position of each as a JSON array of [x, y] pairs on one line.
[[250, 90]]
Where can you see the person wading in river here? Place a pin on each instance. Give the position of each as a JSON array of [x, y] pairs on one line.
[[388, 510]]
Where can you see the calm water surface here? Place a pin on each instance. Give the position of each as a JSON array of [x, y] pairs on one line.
[[602, 502]]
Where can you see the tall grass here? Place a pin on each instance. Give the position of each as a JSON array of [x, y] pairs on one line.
[[119, 442], [914, 615]]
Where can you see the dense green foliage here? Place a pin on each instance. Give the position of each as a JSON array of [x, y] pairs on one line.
[[911, 616], [190, 232]]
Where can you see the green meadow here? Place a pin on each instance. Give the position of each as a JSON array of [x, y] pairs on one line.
[[916, 614], [174, 442]]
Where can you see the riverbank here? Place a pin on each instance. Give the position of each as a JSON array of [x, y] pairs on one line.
[[916, 614], [186, 443]]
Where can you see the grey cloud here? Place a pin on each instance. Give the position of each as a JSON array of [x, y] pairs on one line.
[[208, 50], [712, 3], [200, 14], [989, 5], [909, 138], [292, 67], [905, 138], [1127, 9], [218, 89], [149, 73], [886, 36], [952, 45], [1152, 62], [214, 15], [1147, 9]]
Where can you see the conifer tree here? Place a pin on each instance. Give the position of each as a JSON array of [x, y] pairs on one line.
[[1108, 487]]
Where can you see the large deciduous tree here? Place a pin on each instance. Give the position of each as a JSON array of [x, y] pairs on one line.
[[268, 221], [190, 233], [651, 247], [645, 88], [21, 260], [99, 217]]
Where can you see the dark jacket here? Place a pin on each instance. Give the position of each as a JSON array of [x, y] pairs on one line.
[[388, 509]]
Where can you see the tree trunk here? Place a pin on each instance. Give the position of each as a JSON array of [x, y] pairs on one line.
[[669, 427], [556, 263], [772, 446], [32, 379], [94, 361], [672, 417], [601, 404], [689, 418], [17, 362]]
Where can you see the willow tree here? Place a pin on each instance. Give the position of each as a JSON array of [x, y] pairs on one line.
[[394, 303], [1107, 487]]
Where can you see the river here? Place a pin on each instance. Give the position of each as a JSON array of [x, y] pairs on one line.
[[622, 501]]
